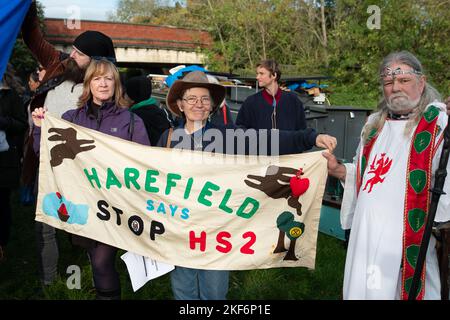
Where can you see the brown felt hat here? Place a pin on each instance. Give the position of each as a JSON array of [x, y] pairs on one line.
[[194, 79]]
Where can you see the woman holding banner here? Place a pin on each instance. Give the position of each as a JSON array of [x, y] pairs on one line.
[[193, 99], [101, 107]]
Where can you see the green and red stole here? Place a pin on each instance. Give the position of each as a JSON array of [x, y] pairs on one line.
[[417, 198]]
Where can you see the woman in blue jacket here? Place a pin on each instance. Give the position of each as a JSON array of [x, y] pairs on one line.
[[101, 107]]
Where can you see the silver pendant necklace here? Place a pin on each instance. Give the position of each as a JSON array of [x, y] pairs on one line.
[[198, 145], [197, 137]]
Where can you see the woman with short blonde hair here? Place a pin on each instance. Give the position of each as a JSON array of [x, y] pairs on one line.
[[99, 68], [103, 108]]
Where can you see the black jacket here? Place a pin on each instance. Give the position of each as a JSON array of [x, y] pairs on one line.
[[259, 142], [256, 113], [13, 120], [155, 119]]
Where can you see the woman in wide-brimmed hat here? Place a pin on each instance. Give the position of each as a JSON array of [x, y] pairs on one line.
[[194, 99]]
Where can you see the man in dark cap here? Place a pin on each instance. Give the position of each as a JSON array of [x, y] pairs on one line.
[[92, 44], [156, 120], [59, 91]]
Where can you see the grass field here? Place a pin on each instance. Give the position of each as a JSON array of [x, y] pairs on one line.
[[19, 276]]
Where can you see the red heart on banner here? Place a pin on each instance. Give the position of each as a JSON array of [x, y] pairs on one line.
[[299, 185]]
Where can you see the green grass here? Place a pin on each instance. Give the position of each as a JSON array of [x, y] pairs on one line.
[[19, 276]]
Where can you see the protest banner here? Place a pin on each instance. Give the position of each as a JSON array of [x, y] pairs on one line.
[[182, 207]]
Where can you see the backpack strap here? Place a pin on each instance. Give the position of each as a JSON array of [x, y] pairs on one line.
[[75, 116], [169, 137], [131, 126]]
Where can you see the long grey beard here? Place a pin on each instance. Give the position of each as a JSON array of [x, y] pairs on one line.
[[403, 105]]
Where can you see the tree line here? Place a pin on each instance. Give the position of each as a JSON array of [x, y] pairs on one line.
[[346, 39]]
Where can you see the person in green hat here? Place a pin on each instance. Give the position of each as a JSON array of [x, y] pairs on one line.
[[156, 120]]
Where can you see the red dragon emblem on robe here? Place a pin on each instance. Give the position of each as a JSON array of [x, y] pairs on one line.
[[379, 168]]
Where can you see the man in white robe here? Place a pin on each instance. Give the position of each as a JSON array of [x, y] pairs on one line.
[[377, 204]]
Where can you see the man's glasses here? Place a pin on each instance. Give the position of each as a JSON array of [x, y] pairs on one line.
[[193, 100]]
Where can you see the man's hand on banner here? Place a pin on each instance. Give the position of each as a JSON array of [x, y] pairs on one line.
[[335, 168], [37, 115], [326, 141]]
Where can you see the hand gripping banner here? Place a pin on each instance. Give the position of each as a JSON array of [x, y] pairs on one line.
[[186, 208]]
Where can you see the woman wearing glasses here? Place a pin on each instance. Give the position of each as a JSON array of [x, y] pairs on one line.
[[193, 99]]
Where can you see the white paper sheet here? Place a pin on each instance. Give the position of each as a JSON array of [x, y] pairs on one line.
[[142, 269]]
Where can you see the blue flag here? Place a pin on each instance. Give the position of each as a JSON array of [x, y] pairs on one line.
[[12, 13]]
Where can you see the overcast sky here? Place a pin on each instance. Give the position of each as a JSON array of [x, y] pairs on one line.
[[86, 9]]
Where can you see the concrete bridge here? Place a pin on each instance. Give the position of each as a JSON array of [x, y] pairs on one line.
[[137, 46]]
